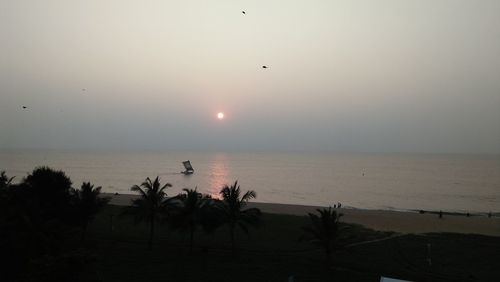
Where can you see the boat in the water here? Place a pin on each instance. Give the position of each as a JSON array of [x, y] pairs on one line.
[[188, 167]]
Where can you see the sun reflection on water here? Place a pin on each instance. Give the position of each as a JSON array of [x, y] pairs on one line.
[[219, 174]]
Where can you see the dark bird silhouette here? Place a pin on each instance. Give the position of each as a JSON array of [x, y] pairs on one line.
[[243, 12], [264, 67], [84, 89], [24, 107]]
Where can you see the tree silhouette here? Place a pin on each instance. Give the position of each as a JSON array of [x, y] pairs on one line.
[[49, 191], [191, 212], [86, 203], [324, 230], [233, 213], [5, 181], [35, 220], [152, 206]]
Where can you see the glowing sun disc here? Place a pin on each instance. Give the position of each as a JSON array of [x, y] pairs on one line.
[[220, 115]]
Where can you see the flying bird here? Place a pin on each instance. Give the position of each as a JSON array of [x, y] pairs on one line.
[[264, 67], [84, 89], [243, 12], [24, 107]]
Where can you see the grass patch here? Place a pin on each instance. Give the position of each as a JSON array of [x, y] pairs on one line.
[[272, 252]]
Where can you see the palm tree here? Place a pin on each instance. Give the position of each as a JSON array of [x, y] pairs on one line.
[[152, 205], [87, 203], [233, 212], [5, 181], [191, 212], [324, 230]]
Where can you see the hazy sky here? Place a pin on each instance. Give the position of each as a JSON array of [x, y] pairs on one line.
[[378, 76]]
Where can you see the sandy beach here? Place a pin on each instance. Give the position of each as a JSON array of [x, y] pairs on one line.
[[383, 220]]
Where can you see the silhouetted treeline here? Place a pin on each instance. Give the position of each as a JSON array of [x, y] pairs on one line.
[[43, 222], [39, 219], [191, 210]]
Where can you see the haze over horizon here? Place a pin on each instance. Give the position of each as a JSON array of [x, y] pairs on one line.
[[384, 76]]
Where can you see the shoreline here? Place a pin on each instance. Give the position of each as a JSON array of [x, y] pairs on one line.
[[382, 220]]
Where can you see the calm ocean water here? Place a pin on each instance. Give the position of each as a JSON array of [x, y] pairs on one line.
[[373, 181]]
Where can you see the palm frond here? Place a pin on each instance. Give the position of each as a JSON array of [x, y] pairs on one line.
[[167, 185], [147, 184], [248, 196], [137, 188], [5, 181], [323, 229]]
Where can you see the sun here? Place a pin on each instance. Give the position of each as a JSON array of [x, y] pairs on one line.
[[220, 115]]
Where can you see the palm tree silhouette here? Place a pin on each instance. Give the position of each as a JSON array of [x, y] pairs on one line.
[[324, 230], [233, 212], [191, 213], [87, 203], [152, 205], [5, 181]]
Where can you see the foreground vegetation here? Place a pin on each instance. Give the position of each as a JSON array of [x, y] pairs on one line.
[[52, 232], [273, 253]]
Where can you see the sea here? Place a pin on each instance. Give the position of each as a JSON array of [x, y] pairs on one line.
[[454, 183]]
